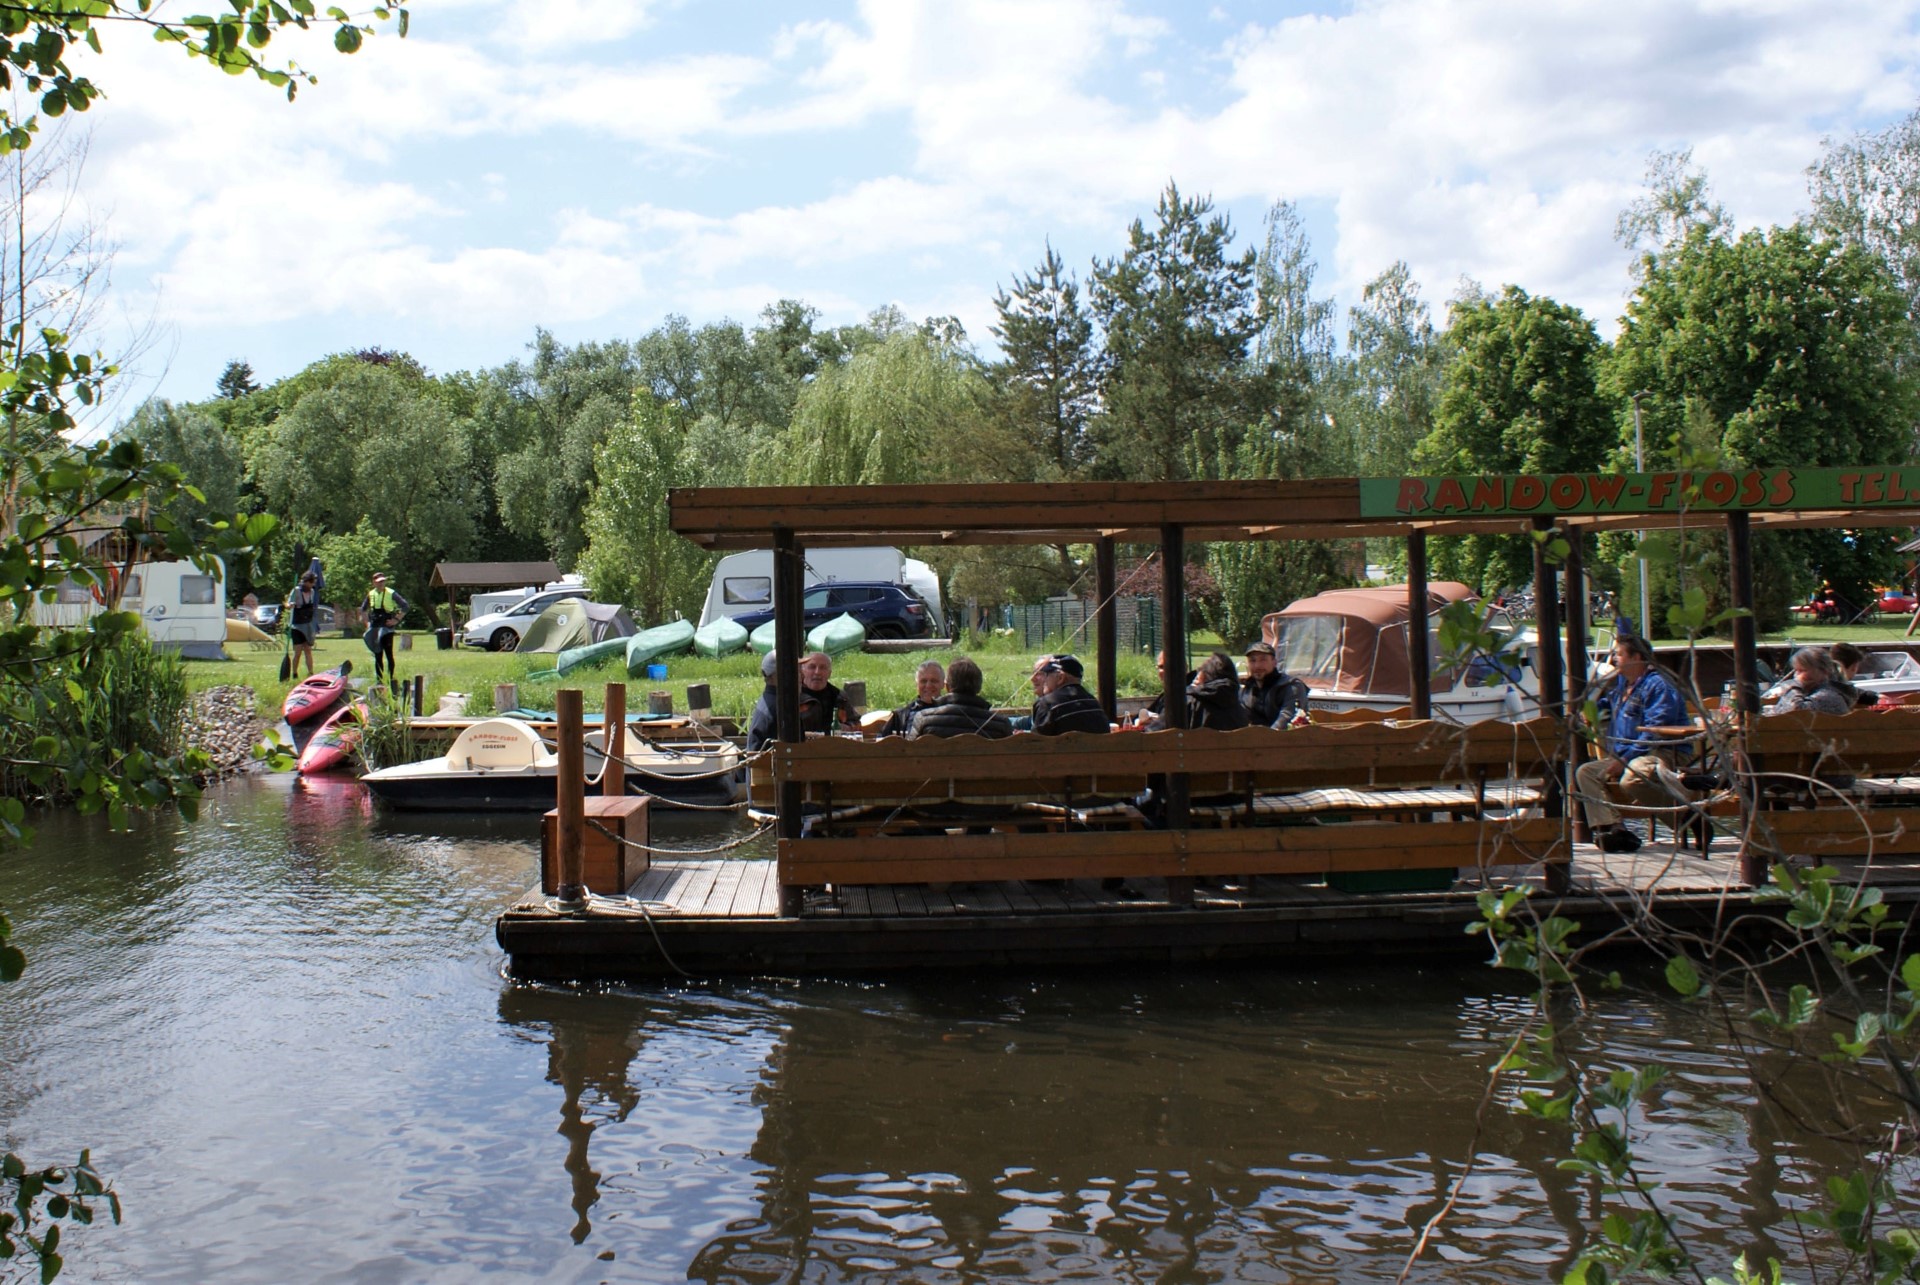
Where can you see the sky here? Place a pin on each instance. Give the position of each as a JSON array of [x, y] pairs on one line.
[[589, 167]]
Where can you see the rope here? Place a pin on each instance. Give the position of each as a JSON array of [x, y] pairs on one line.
[[625, 907], [677, 852]]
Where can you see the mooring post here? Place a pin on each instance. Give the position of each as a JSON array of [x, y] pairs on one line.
[[1173, 685], [1576, 578], [613, 731], [788, 592], [1419, 650], [571, 831], [419, 694], [1553, 692], [1746, 669], [1107, 616]]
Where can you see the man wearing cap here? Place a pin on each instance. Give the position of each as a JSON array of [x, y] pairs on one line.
[[1061, 704], [384, 609], [1272, 696]]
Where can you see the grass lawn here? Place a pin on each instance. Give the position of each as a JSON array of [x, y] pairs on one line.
[[735, 680]]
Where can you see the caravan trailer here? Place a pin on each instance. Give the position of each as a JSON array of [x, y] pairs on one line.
[[182, 607], [743, 582]]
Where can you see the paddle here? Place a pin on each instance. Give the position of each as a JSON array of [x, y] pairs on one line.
[[286, 657]]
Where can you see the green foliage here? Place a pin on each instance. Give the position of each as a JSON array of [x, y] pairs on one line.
[[59, 1195], [206, 454], [1384, 391], [631, 556], [1048, 374], [1179, 316], [350, 561], [1866, 193]]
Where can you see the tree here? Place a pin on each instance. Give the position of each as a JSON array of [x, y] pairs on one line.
[[1047, 369], [1678, 199], [1521, 396], [1177, 310], [351, 560], [207, 457], [1390, 380], [631, 555], [1866, 193], [236, 381], [53, 493], [1779, 348]]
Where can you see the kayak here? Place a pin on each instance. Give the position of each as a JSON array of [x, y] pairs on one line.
[[592, 654], [333, 745], [651, 644], [721, 638], [314, 696], [842, 633], [761, 639]]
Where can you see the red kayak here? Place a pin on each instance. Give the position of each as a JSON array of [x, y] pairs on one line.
[[312, 697], [333, 745]]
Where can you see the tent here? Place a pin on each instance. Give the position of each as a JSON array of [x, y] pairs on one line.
[[575, 622]]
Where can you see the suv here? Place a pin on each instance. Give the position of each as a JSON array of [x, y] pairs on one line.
[[501, 630], [887, 610]]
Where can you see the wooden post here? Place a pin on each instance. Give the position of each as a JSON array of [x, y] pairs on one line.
[[1107, 614], [1746, 670], [419, 694], [1173, 687], [506, 696], [572, 776], [1419, 653], [1576, 578], [1553, 695], [613, 729], [788, 592]]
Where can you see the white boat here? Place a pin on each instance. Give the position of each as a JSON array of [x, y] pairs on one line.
[[1349, 646], [503, 765]]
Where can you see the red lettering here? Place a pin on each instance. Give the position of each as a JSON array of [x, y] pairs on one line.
[[1874, 489], [1450, 498], [1718, 489], [1490, 493], [1849, 488], [1566, 491], [1657, 487], [1526, 493], [1782, 487], [1751, 490], [1895, 492], [1413, 495], [1605, 488]]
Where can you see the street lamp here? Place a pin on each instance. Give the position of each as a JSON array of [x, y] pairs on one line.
[[1640, 466]]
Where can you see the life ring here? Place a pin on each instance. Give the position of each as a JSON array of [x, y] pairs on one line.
[[108, 593]]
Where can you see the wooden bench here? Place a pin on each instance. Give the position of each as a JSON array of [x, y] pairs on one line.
[[1370, 814], [1836, 784]]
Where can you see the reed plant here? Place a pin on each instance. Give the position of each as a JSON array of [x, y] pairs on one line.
[[126, 697]]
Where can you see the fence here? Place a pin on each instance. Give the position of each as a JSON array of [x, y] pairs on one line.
[[1137, 629]]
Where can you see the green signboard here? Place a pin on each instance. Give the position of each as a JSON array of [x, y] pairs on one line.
[[1771, 490]]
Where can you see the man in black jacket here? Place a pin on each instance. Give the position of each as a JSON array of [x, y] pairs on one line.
[[1061, 704], [1272, 696], [929, 680], [964, 712]]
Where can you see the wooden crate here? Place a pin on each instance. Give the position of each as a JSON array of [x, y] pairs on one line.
[[609, 867]]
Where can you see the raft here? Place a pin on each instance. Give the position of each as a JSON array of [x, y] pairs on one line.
[[722, 637], [592, 654], [842, 633], [651, 644]]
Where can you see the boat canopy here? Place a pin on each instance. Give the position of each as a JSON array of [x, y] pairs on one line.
[[498, 743], [1353, 640]]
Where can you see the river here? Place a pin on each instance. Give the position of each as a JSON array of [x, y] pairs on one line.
[[284, 1032]]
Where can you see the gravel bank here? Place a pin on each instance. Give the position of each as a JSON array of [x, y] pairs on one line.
[[221, 721]]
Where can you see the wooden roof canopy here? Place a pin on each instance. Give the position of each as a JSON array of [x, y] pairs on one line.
[[1307, 509], [491, 575]]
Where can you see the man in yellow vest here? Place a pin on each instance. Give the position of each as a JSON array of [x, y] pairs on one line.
[[384, 609]]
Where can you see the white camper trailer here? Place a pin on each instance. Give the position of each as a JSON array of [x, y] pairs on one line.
[[743, 582], [182, 607]]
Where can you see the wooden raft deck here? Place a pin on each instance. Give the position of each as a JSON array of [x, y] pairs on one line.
[[714, 915]]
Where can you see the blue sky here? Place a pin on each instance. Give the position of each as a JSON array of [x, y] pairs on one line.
[[590, 166]]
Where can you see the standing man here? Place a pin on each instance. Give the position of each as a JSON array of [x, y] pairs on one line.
[[1631, 760], [384, 609], [1273, 697]]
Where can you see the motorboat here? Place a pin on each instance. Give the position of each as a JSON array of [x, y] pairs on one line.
[[1350, 647], [504, 765]]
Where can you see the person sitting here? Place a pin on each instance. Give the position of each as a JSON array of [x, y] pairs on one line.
[[1816, 686], [1631, 760], [1213, 697], [822, 706], [1150, 719], [964, 712], [764, 723], [1273, 698], [1061, 703], [1847, 659], [929, 680]]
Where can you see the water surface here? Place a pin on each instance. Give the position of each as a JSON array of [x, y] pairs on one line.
[[284, 1032]]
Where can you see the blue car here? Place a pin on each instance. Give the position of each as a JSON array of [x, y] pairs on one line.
[[887, 610]]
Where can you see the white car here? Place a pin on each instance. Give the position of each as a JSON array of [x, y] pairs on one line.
[[501, 631]]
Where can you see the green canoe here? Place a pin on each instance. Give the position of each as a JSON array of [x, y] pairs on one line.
[[761, 640], [721, 638], [592, 654], [652, 644], [842, 633]]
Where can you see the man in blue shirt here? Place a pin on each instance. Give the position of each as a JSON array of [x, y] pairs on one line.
[[1631, 760]]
